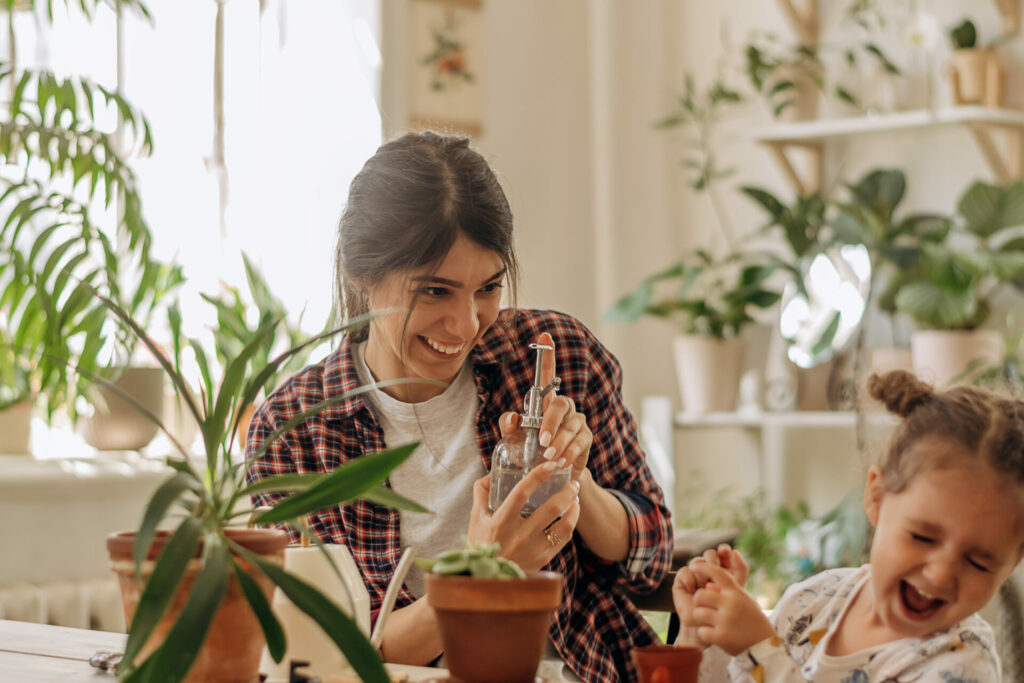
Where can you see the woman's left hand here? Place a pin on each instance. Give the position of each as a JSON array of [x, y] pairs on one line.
[[563, 431]]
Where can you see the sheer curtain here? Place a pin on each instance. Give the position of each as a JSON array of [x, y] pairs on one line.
[[301, 84]]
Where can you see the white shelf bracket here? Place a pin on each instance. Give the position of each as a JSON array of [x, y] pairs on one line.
[[1006, 165], [1009, 10], [805, 21], [811, 181]]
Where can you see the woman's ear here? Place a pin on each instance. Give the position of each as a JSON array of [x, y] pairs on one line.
[[873, 492]]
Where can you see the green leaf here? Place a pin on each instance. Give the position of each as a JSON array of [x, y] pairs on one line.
[[987, 208], [272, 631], [389, 499], [336, 624], [351, 480], [161, 586], [172, 660], [161, 500]]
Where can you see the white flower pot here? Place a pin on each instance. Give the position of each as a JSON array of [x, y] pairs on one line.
[[940, 356], [15, 429], [119, 425], [709, 373]]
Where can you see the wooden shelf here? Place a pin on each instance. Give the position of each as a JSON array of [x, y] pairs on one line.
[[1004, 160]]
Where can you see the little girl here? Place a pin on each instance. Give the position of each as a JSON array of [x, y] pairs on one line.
[[947, 504]]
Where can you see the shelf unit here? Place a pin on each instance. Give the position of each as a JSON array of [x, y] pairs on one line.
[[769, 432], [1006, 161]]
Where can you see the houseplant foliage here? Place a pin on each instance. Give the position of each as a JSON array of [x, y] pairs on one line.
[[68, 167], [957, 277], [713, 298], [201, 502]]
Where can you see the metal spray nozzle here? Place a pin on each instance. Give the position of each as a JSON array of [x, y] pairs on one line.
[[532, 405]]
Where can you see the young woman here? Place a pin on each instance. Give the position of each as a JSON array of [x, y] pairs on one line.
[[426, 238], [947, 504]]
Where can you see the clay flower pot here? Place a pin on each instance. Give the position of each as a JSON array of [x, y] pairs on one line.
[[234, 642], [667, 663], [494, 629]]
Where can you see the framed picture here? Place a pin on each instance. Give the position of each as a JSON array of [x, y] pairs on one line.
[[446, 65]]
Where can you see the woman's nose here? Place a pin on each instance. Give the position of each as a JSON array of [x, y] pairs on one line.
[[462, 320]]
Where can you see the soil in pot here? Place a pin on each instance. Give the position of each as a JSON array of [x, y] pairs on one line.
[[494, 630], [235, 640]]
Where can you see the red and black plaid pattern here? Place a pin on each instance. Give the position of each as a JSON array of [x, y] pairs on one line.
[[596, 626]]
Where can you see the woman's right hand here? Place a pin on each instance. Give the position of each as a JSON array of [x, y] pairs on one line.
[[531, 542]]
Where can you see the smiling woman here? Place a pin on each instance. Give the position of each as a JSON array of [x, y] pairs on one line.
[[426, 243]]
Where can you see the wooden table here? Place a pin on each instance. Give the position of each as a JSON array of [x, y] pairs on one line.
[[39, 653]]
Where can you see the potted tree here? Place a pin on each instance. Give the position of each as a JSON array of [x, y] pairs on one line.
[[713, 298], [950, 298], [494, 618], [196, 596]]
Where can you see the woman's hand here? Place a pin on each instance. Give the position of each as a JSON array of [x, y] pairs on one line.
[[724, 613], [531, 541], [564, 435]]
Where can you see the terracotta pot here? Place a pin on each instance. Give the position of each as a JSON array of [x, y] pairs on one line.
[[234, 641], [119, 425], [667, 663], [16, 429], [494, 630], [709, 373]]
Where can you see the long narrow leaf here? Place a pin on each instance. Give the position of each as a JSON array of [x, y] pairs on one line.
[[336, 624], [165, 495], [349, 481], [162, 586], [272, 631]]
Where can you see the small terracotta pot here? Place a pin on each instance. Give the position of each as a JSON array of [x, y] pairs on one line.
[[234, 641], [494, 630], [667, 664]]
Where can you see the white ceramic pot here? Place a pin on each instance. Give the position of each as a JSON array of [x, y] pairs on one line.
[[940, 356], [306, 640], [119, 425], [15, 429], [709, 373]]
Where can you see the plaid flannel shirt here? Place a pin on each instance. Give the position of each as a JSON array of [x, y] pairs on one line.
[[597, 625]]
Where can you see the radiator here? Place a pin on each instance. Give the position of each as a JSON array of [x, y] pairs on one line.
[[91, 604]]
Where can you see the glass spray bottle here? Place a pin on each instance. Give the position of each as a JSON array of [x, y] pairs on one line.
[[519, 452]]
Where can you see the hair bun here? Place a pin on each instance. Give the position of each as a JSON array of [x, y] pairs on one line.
[[899, 390]]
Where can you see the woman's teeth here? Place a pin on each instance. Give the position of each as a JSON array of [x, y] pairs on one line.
[[446, 349]]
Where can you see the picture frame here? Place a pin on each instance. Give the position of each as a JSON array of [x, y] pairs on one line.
[[446, 65]]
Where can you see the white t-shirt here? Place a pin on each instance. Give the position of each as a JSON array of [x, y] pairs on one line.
[[440, 473]]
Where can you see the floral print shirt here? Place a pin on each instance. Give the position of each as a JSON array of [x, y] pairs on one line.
[[806, 617]]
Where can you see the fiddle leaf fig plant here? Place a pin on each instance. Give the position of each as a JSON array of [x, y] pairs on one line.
[[203, 499], [712, 297]]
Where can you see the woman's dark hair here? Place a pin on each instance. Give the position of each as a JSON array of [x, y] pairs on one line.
[[407, 206], [990, 427]]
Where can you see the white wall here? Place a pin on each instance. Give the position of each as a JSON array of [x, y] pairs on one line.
[[571, 92]]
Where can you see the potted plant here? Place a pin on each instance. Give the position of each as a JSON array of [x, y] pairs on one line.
[[494, 618], [53, 240], [197, 595], [235, 330], [714, 299], [977, 73], [951, 296]]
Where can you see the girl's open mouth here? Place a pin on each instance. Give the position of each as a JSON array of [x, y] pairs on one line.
[[917, 605]]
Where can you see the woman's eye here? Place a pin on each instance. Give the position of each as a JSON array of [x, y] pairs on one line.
[[434, 291], [921, 539], [491, 287]]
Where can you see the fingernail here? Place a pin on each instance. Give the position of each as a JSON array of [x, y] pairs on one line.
[[550, 465], [508, 420], [549, 453], [561, 463], [576, 485], [545, 439]]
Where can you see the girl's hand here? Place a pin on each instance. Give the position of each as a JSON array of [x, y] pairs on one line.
[[725, 614], [684, 587], [726, 557], [531, 541]]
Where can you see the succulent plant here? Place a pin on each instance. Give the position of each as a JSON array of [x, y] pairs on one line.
[[480, 561]]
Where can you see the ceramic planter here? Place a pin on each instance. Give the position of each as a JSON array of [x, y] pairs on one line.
[[941, 356], [667, 663], [119, 425], [977, 77], [15, 429], [709, 373], [234, 642], [494, 630]]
